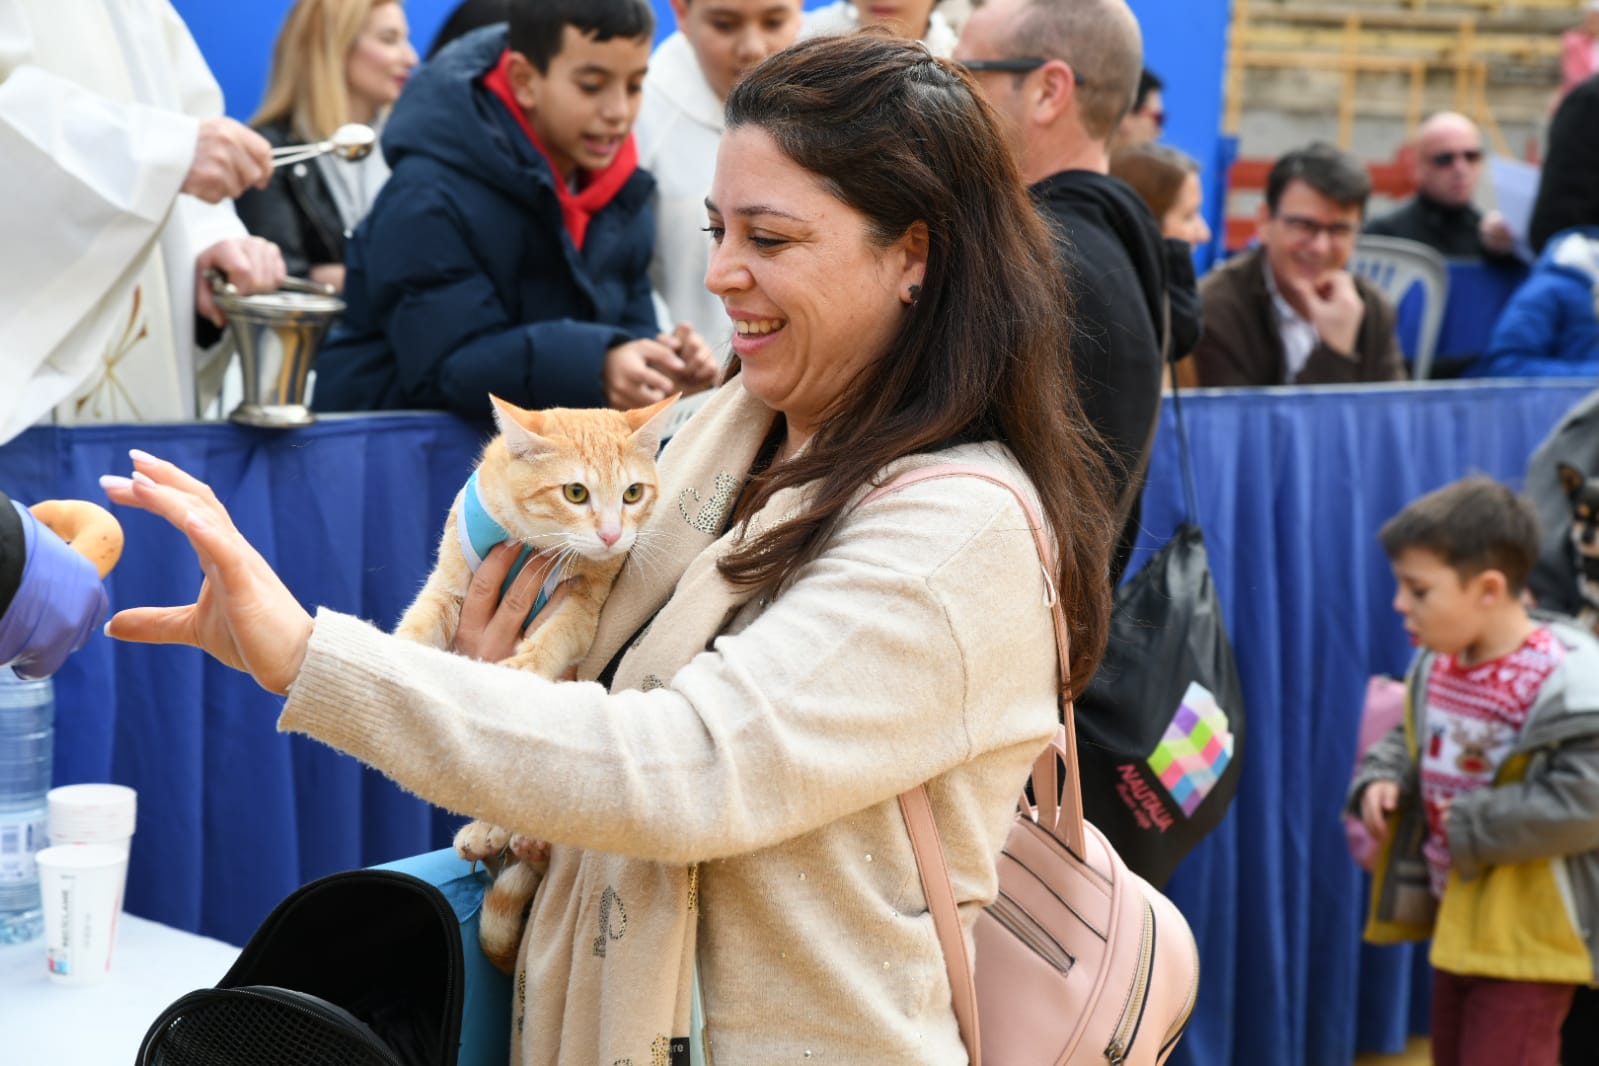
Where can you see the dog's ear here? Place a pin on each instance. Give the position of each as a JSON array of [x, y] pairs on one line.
[[1571, 478]]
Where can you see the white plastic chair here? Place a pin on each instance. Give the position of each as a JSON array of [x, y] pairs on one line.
[[1394, 265]]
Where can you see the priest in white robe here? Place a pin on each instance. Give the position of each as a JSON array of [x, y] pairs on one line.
[[117, 171]]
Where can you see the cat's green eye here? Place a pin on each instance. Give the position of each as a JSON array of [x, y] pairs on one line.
[[576, 493], [633, 493]]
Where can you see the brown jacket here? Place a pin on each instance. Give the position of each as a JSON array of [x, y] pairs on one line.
[[1242, 346]]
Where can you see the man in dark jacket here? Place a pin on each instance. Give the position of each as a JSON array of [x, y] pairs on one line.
[[1288, 312], [1441, 215], [1568, 191], [509, 251], [1061, 74]]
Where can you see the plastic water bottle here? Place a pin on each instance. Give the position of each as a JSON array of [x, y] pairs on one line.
[[27, 727]]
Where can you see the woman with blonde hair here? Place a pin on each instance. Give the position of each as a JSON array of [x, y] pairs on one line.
[[335, 61]]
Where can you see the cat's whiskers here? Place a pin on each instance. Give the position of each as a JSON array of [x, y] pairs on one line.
[[648, 546]]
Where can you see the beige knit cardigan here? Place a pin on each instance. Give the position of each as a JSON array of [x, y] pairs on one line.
[[735, 794]]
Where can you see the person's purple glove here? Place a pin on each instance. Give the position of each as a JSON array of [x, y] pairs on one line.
[[57, 606]]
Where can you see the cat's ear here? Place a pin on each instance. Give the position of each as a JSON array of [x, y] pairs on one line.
[[520, 428], [648, 423]]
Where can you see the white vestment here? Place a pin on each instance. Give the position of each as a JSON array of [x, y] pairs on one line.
[[100, 102]]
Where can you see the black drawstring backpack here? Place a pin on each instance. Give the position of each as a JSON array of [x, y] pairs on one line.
[[360, 968], [1160, 727]]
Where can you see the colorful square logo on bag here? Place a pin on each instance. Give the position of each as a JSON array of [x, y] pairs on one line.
[[1195, 751]]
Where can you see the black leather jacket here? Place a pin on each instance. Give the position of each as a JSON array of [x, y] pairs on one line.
[[296, 211]]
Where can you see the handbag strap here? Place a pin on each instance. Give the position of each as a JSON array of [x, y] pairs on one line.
[[1063, 816], [1185, 458]]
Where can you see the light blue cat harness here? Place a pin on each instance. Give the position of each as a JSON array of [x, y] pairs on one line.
[[479, 533]]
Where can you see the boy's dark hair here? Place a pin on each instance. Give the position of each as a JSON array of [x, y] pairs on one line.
[[1473, 524], [1333, 172], [538, 25], [1148, 82]]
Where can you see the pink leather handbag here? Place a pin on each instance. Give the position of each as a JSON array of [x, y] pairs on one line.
[[1079, 960]]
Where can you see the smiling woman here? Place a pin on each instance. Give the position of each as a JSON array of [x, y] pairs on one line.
[[720, 785], [336, 61]]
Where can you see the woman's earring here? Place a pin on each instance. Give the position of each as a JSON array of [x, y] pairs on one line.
[[916, 294]]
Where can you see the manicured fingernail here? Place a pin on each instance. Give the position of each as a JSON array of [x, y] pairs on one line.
[[112, 481], [143, 479], [196, 523], [106, 629], [141, 457]]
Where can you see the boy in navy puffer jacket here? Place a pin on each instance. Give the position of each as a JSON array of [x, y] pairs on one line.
[[509, 252]]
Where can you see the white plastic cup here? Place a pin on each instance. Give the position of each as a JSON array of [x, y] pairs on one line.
[[80, 886], [92, 814]]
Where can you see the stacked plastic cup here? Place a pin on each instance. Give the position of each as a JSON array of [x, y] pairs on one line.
[[82, 876], [91, 814]]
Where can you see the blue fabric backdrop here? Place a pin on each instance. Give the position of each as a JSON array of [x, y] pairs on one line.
[[1292, 487]]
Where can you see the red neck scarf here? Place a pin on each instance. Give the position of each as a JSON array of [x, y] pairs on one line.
[[598, 187]]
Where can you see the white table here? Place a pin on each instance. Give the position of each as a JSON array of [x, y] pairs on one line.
[[46, 1024]]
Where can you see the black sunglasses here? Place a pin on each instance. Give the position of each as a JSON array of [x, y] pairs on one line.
[[1446, 159], [1018, 65]]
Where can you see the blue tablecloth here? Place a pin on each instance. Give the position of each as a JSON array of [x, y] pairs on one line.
[[1292, 486]]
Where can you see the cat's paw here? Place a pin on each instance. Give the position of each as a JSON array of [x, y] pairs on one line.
[[479, 840], [535, 852]]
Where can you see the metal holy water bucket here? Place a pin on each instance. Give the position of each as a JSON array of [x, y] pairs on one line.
[[277, 335]]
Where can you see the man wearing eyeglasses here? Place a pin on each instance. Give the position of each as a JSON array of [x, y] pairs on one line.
[[1061, 74], [1289, 312], [1441, 214]]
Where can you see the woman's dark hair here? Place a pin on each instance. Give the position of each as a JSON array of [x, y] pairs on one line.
[[467, 16], [903, 138], [1155, 172], [537, 26]]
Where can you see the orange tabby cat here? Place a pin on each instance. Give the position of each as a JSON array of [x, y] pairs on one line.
[[577, 484]]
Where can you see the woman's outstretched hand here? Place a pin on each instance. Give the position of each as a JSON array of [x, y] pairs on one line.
[[244, 616]]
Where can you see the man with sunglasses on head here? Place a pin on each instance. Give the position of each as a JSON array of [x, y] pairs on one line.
[[1289, 312], [1441, 215], [1061, 75]]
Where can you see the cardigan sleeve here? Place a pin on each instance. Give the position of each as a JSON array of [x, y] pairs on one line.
[[919, 640]]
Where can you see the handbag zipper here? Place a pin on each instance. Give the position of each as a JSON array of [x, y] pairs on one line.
[[1175, 1033], [1133, 1011], [1024, 927]]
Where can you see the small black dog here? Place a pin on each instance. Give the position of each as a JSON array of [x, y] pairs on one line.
[[1583, 492]]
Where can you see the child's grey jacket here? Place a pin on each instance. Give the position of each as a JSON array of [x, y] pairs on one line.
[[1522, 900]]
